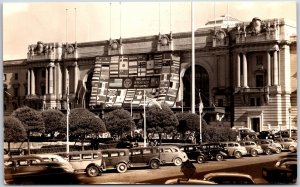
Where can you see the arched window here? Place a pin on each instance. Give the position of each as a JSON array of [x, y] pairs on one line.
[[201, 82]]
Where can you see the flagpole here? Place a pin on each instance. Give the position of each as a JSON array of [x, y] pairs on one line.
[[68, 111], [145, 120], [200, 118], [193, 59]]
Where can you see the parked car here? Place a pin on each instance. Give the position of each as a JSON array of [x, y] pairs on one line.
[[14, 151], [172, 154], [246, 132], [194, 153], [268, 146], [286, 133], [90, 162], [32, 169], [116, 159], [124, 144], [286, 143], [268, 134], [145, 156], [252, 148], [235, 149], [214, 151], [229, 178], [284, 172]]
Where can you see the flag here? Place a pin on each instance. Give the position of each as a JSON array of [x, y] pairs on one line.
[[200, 104]]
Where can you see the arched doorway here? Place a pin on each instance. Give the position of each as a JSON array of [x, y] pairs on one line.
[[201, 82]]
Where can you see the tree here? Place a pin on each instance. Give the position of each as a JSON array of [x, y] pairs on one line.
[[32, 121], [52, 120], [82, 123], [188, 123], [218, 134], [14, 130], [161, 120], [118, 122]]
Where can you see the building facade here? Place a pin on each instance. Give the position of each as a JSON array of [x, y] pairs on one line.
[[247, 70]]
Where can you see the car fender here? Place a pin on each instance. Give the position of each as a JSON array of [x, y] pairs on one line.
[[154, 159]]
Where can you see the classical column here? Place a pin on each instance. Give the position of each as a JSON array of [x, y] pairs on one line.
[[75, 77], [66, 72], [47, 80], [275, 78], [32, 80], [50, 80], [268, 69], [28, 83], [238, 70], [245, 80]]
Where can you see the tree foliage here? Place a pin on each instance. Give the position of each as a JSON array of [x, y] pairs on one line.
[[218, 134], [31, 119], [52, 120], [118, 122], [83, 122], [14, 130], [161, 120]]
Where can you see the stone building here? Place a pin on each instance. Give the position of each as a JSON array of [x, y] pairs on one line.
[[245, 71]]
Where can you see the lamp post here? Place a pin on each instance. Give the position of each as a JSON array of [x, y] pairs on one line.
[[145, 133], [68, 111], [131, 133], [290, 130]]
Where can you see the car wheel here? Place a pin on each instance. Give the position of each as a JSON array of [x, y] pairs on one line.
[[238, 154], [177, 161], [154, 164], [219, 157], [278, 150], [92, 171], [121, 167], [200, 159], [268, 151], [254, 152]]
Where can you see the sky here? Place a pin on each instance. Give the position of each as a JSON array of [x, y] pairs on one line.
[[28, 23]]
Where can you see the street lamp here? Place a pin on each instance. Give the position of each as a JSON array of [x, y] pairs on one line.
[[68, 112], [290, 130], [131, 133]]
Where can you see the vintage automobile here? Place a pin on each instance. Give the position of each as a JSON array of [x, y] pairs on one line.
[[284, 172], [286, 143], [229, 178], [90, 162], [268, 146], [252, 148], [246, 132], [157, 155], [172, 154], [116, 159], [32, 169], [235, 149], [145, 156], [194, 153], [214, 151]]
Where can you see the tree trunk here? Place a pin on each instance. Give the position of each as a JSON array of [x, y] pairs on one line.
[[28, 143], [8, 149], [160, 140]]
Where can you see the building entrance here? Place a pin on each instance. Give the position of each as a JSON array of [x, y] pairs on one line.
[[255, 124], [201, 82]]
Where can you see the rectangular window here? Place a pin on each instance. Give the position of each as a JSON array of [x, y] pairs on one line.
[[4, 77], [114, 154], [16, 76]]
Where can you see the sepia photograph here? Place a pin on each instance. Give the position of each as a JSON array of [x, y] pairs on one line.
[[150, 93]]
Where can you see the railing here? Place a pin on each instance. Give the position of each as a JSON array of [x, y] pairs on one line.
[[255, 90]]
